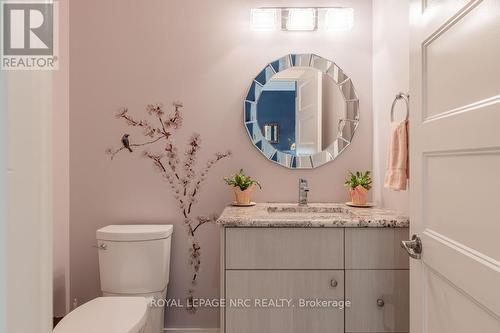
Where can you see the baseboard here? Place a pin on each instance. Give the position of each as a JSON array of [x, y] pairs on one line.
[[191, 330]]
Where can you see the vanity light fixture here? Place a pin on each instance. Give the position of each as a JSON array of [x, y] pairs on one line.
[[302, 18], [339, 19], [264, 18]]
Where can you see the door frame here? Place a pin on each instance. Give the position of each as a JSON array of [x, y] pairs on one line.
[[26, 270]]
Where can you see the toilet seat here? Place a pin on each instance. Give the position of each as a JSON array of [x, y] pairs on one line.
[[106, 315]]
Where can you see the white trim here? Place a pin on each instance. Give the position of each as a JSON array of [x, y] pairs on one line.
[[3, 201], [60, 135], [29, 176], [470, 107], [191, 330]]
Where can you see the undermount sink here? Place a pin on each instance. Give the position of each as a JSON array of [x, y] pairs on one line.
[[323, 210]]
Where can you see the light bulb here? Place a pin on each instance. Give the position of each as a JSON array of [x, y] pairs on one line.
[[339, 19], [264, 18], [301, 19]]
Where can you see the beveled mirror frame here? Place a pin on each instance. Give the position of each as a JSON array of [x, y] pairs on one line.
[[346, 127]]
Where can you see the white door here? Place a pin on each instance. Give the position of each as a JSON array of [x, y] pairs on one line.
[[308, 113], [455, 165]]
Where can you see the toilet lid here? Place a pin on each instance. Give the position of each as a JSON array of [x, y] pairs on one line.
[[106, 315]]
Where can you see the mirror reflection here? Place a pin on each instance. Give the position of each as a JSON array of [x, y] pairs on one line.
[[301, 111], [306, 105]]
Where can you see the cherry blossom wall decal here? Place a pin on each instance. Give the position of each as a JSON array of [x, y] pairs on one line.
[[178, 171]]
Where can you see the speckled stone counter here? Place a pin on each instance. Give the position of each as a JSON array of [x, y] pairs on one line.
[[314, 215]]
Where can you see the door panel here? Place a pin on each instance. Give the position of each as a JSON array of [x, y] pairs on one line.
[[456, 215], [308, 113], [455, 158], [453, 311], [467, 270], [292, 284], [462, 40]]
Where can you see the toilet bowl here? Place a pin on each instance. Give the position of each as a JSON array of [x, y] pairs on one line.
[[107, 315]]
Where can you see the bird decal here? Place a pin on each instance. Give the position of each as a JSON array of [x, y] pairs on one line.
[[126, 143]]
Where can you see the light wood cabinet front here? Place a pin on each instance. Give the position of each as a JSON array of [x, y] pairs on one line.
[[294, 285], [284, 248], [376, 248], [379, 300]]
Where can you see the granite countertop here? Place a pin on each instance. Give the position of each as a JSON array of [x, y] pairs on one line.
[[313, 215]]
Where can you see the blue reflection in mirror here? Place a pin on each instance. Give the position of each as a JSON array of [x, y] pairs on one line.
[[277, 105]]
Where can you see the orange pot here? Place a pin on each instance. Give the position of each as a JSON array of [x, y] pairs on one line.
[[243, 197], [358, 195]]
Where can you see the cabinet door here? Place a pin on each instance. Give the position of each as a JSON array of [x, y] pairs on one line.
[[379, 300], [292, 285], [375, 248]]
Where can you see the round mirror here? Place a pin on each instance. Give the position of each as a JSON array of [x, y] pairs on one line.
[[301, 111]]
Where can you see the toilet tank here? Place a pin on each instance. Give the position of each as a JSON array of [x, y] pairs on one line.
[[134, 259]]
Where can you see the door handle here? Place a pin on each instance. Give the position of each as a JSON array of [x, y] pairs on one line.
[[413, 247]]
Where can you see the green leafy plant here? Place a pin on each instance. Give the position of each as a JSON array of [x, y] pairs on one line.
[[241, 180], [363, 179]]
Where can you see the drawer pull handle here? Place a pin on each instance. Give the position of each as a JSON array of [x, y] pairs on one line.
[[333, 283], [380, 303]]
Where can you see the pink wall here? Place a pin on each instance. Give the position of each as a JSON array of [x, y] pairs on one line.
[[128, 52], [391, 70]]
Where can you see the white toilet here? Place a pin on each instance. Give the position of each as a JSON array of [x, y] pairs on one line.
[[134, 264]]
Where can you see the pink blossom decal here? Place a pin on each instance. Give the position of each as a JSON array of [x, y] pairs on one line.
[[181, 175]]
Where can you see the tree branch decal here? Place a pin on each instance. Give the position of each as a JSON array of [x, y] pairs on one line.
[[181, 175]]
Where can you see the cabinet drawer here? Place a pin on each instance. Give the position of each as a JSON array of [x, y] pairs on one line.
[[379, 300], [375, 248], [284, 248], [292, 285]]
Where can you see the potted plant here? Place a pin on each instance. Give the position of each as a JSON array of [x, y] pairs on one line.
[[243, 187], [359, 184]]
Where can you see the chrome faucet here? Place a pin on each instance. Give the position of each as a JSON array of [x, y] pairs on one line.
[[303, 189]]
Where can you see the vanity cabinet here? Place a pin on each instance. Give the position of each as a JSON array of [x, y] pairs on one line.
[[365, 266]]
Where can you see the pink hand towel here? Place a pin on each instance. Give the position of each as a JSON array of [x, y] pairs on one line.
[[397, 174]]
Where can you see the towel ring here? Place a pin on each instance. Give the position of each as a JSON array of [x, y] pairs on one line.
[[406, 98]]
